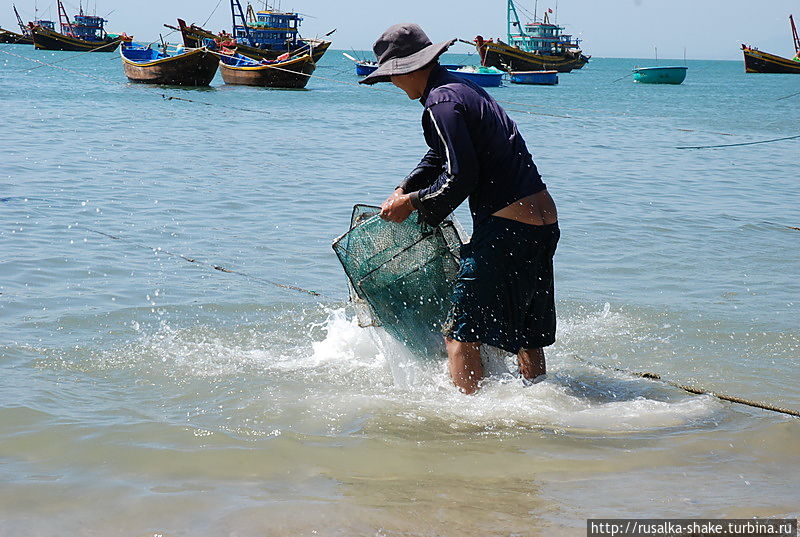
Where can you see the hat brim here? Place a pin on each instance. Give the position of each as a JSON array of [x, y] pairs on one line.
[[409, 64]]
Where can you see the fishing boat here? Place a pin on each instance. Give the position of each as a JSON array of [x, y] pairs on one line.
[[540, 78], [660, 75], [292, 73], [363, 67], [13, 38], [264, 34], [24, 37], [756, 61], [534, 46], [186, 67], [486, 77], [85, 33]]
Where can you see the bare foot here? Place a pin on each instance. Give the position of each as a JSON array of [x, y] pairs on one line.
[[531, 363]]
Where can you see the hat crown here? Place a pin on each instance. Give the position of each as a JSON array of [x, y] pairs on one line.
[[399, 41]]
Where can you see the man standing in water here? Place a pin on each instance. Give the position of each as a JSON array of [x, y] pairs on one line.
[[503, 294]]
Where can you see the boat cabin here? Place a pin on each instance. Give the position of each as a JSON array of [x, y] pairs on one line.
[[538, 37], [272, 30], [88, 27], [50, 25]]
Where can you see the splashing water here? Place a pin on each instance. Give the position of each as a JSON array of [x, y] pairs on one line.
[[573, 396]]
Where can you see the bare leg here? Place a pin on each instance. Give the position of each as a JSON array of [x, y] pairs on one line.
[[531, 363], [464, 362]]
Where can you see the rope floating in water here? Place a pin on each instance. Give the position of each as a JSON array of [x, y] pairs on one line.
[[184, 99], [739, 144], [787, 96], [197, 261], [68, 57], [61, 68], [696, 390]]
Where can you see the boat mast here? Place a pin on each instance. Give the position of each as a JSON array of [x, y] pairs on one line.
[[794, 34], [19, 21], [512, 11], [64, 20], [236, 6]]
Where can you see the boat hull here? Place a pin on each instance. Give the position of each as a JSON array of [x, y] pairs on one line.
[[44, 39], [194, 68], [756, 61], [262, 54], [193, 38], [539, 78], [292, 74], [660, 75], [13, 38], [484, 80], [363, 69], [508, 58]]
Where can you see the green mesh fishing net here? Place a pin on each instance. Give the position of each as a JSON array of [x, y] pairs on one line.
[[402, 275]]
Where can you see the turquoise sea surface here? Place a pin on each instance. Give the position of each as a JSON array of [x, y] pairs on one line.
[[142, 394]]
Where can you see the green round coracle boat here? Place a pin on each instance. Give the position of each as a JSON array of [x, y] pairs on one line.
[[660, 75]]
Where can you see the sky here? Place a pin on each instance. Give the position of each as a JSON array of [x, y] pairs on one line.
[[706, 29]]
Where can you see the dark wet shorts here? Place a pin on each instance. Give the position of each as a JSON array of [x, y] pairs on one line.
[[503, 295]]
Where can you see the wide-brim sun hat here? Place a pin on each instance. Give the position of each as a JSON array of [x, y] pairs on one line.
[[402, 49]]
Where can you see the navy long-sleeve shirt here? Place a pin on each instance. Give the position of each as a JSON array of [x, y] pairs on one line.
[[476, 152]]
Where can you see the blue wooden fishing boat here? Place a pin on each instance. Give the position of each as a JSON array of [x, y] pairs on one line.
[[184, 67], [365, 68], [486, 77], [660, 75], [542, 78]]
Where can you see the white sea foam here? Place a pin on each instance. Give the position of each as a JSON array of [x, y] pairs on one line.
[[351, 370], [574, 395]]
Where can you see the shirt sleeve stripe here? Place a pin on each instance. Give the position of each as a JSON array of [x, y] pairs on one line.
[[441, 189], [444, 143]]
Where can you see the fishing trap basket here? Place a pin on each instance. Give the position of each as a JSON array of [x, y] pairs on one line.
[[401, 275]]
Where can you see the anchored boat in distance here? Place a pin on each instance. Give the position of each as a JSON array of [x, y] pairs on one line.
[[178, 67], [660, 75], [756, 61], [259, 35], [14, 38], [24, 37], [86, 33], [534, 46], [288, 73]]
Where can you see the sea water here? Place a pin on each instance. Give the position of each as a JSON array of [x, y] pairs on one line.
[[144, 394]]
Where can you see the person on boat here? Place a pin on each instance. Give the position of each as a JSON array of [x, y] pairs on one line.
[[504, 291]]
